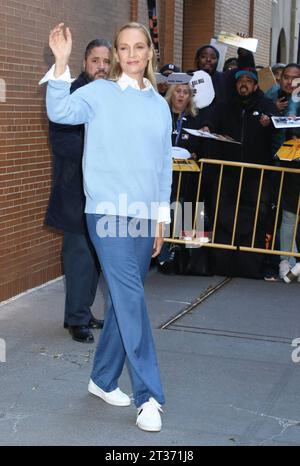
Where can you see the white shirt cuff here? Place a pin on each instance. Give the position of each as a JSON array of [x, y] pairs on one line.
[[66, 76], [164, 214]]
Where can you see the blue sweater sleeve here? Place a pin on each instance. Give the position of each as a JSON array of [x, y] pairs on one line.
[[71, 109], [166, 174]]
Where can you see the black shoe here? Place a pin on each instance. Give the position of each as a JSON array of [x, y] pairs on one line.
[[81, 333], [93, 323], [96, 323], [167, 268]]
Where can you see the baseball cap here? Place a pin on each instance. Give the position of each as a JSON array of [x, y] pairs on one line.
[[248, 72], [169, 67], [278, 66]]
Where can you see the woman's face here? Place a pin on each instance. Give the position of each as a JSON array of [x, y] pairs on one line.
[[180, 97], [208, 60], [133, 52], [278, 73]]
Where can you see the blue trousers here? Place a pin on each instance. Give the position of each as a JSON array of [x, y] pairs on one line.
[[81, 270], [126, 333]]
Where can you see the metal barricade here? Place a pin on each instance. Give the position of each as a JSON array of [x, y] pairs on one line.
[[182, 166]]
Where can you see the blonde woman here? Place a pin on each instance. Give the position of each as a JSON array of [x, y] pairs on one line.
[[184, 115], [127, 172]]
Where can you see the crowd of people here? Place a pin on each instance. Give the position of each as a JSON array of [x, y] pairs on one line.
[[112, 135], [242, 111]]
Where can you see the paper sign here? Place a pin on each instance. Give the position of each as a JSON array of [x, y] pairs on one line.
[[179, 78], [203, 88], [205, 134], [160, 78], [248, 43], [222, 49], [266, 79], [173, 78], [180, 153], [290, 151], [286, 122]]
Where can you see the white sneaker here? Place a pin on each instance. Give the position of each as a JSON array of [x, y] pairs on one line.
[[148, 417], [284, 268], [293, 274], [115, 398]]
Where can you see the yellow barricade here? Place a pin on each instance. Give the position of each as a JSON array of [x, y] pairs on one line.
[[183, 166]]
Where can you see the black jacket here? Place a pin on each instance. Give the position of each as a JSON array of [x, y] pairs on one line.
[[224, 81], [184, 139], [240, 120], [67, 201]]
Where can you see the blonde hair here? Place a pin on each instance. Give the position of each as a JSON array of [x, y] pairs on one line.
[[191, 108], [116, 70]]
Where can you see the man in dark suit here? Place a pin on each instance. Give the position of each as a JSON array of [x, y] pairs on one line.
[[66, 206]]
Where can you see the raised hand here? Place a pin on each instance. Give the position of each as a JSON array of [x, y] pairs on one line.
[[60, 42], [241, 34]]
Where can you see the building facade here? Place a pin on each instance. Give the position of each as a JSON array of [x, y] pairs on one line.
[[29, 252], [285, 42]]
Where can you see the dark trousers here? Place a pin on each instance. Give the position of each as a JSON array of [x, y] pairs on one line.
[[81, 277]]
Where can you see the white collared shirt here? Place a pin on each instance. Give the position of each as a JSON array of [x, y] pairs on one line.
[[124, 81], [66, 76]]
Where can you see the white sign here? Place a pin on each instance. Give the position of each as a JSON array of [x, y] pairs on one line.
[[247, 43], [205, 134], [286, 122], [222, 49], [173, 78], [203, 88], [180, 153]]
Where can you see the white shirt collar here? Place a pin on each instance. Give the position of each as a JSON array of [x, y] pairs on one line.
[[124, 81]]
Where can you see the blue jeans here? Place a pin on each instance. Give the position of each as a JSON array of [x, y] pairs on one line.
[[126, 333], [286, 235]]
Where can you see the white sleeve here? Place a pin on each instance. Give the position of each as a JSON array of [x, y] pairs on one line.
[[164, 214], [66, 76]]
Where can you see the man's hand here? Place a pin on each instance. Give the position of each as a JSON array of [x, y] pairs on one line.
[[282, 103], [205, 128], [60, 42], [159, 239], [265, 121]]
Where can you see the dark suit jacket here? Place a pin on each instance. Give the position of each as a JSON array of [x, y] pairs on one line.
[[67, 201]]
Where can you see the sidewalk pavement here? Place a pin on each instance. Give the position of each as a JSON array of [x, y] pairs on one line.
[[227, 369]]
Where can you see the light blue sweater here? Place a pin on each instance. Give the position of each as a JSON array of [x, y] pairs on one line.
[[127, 164]]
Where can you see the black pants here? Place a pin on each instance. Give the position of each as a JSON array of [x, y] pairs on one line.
[[81, 274]]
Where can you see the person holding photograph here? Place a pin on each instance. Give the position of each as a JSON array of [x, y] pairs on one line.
[[127, 171]]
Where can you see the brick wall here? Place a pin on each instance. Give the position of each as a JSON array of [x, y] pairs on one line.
[[178, 32], [262, 30], [143, 12], [29, 253], [232, 16], [198, 26]]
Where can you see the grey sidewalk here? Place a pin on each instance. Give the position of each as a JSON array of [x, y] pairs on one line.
[[227, 369]]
